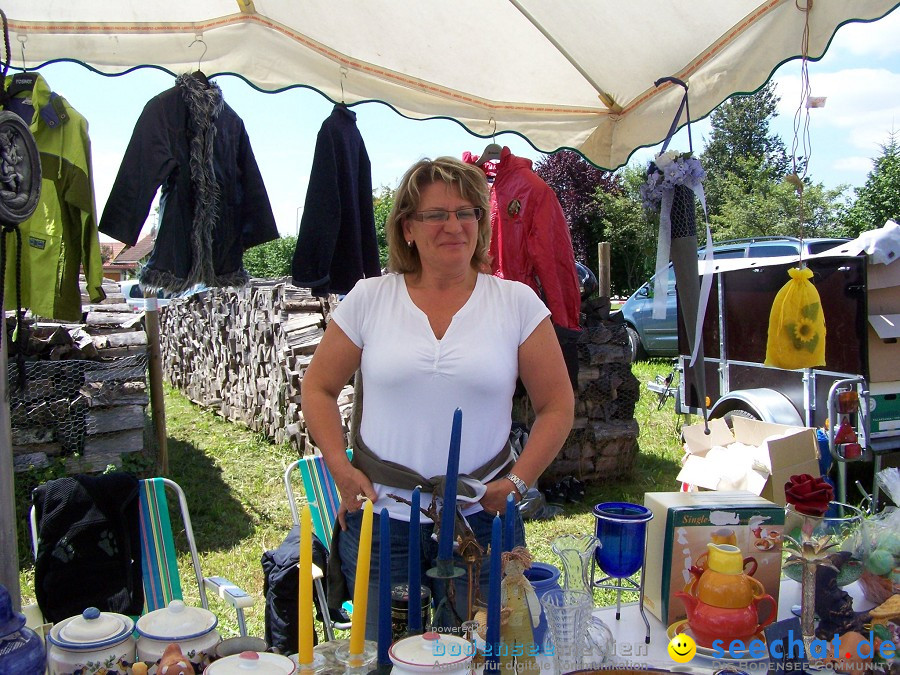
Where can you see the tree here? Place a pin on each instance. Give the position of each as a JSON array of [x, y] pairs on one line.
[[383, 201], [879, 199], [760, 205], [272, 259], [746, 165], [106, 253], [742, 151], [576, 183], [631, 233]]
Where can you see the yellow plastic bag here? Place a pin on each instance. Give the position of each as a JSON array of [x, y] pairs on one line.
[[796, 325]]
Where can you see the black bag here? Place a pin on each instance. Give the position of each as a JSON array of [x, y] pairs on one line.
[[89, 551], [281, 580]]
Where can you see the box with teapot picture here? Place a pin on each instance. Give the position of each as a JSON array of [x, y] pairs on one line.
[[737, 533]]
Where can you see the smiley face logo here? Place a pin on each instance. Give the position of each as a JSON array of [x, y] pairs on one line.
[[682, 648]]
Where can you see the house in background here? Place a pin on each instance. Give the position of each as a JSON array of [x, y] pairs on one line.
[[126, 260], [108, 252]]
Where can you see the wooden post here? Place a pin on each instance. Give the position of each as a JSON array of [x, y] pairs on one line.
[[603, 268], [157, 400], [9, 545]]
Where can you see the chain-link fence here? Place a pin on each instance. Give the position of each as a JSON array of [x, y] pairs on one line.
[[89, 412]]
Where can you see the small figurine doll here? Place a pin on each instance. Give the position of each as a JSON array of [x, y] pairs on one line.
[[519, 599], [174, 662]]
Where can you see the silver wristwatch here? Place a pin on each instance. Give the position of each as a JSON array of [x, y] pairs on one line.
[[521, 485]]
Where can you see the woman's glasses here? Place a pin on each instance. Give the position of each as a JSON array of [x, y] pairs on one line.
[[467, 215]]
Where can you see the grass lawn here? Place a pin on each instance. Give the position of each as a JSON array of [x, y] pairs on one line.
[[233, 481]]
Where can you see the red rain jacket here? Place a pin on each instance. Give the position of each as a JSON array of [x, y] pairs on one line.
[[530, 239]]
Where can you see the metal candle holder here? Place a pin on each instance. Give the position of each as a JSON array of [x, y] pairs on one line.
[[621, 527], [447, 571]]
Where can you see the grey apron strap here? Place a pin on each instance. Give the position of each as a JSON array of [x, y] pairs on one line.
[[396, 475]]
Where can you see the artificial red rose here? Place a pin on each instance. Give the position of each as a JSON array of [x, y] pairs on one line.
[[808, 494]]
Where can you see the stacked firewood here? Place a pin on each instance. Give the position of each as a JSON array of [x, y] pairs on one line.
[[243, 353], [603, 441], [83, 395]]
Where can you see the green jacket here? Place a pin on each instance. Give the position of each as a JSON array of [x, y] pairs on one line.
[[61, 236]]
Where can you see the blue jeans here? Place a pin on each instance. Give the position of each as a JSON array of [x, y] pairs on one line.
[[348, 544]]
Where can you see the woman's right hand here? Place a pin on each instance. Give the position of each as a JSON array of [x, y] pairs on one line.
[[352, 485]]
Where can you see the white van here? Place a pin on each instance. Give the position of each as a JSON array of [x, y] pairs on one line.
[[134, 295]]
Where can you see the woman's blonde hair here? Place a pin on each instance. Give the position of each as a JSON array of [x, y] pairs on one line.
[[472, 186]]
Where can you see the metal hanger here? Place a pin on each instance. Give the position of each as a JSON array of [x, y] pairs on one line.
[[492, 150], [199, 74], [23, 81], [344, 72]]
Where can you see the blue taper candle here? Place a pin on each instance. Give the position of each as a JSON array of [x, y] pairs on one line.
[[492, 638], [414, 606], [509, 522], [448, 510], [384, 587]]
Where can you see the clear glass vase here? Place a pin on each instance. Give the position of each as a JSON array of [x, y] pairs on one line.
[[568, 614], [576, 552]]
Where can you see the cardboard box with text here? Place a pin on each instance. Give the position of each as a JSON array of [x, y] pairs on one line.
[[682, 526]]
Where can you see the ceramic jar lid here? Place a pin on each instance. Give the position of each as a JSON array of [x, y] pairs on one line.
[[91, 630], [438, 652], [252, 663], [176, 622]]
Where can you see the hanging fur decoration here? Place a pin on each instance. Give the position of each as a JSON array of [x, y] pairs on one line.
[[204, 103]]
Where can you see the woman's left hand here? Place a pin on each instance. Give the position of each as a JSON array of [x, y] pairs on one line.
[[494, 499]]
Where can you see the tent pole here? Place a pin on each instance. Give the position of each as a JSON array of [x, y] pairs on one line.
[[603, 268], [9, 545], [157, 397]]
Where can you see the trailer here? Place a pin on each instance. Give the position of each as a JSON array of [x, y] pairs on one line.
[[853, 397]]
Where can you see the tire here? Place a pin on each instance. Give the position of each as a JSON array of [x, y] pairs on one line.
[[634, 342]]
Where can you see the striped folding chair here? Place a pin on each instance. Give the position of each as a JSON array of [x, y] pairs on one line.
[[324, 500], [159, 562]]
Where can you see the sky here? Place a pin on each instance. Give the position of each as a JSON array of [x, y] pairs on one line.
[[859, 75]]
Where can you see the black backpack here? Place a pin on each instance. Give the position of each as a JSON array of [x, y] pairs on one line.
[[89, 549], [281, 580]]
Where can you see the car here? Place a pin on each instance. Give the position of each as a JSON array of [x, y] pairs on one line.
[[134, 295], [659, 337]]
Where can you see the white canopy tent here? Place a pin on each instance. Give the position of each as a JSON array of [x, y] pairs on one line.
[[564, 74], [577, 74]]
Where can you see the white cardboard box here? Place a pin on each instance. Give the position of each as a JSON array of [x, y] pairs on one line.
[[775, 453]]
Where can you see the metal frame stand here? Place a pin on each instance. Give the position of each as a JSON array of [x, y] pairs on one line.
[[625, 585]]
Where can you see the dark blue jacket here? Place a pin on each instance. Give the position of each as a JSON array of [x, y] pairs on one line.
[[336, 245]]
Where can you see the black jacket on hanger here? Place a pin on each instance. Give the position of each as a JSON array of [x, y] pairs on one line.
[[336, 245], [213, 205]]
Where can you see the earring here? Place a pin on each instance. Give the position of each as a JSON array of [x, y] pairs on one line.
[[410, 243]]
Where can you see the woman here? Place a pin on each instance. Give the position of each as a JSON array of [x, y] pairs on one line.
[[435, 335]]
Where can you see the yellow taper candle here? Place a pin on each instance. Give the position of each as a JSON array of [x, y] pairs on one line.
[[305, 601], [361, 583]]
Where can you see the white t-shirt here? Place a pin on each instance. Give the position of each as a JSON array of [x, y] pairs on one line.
[[413, 382]]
